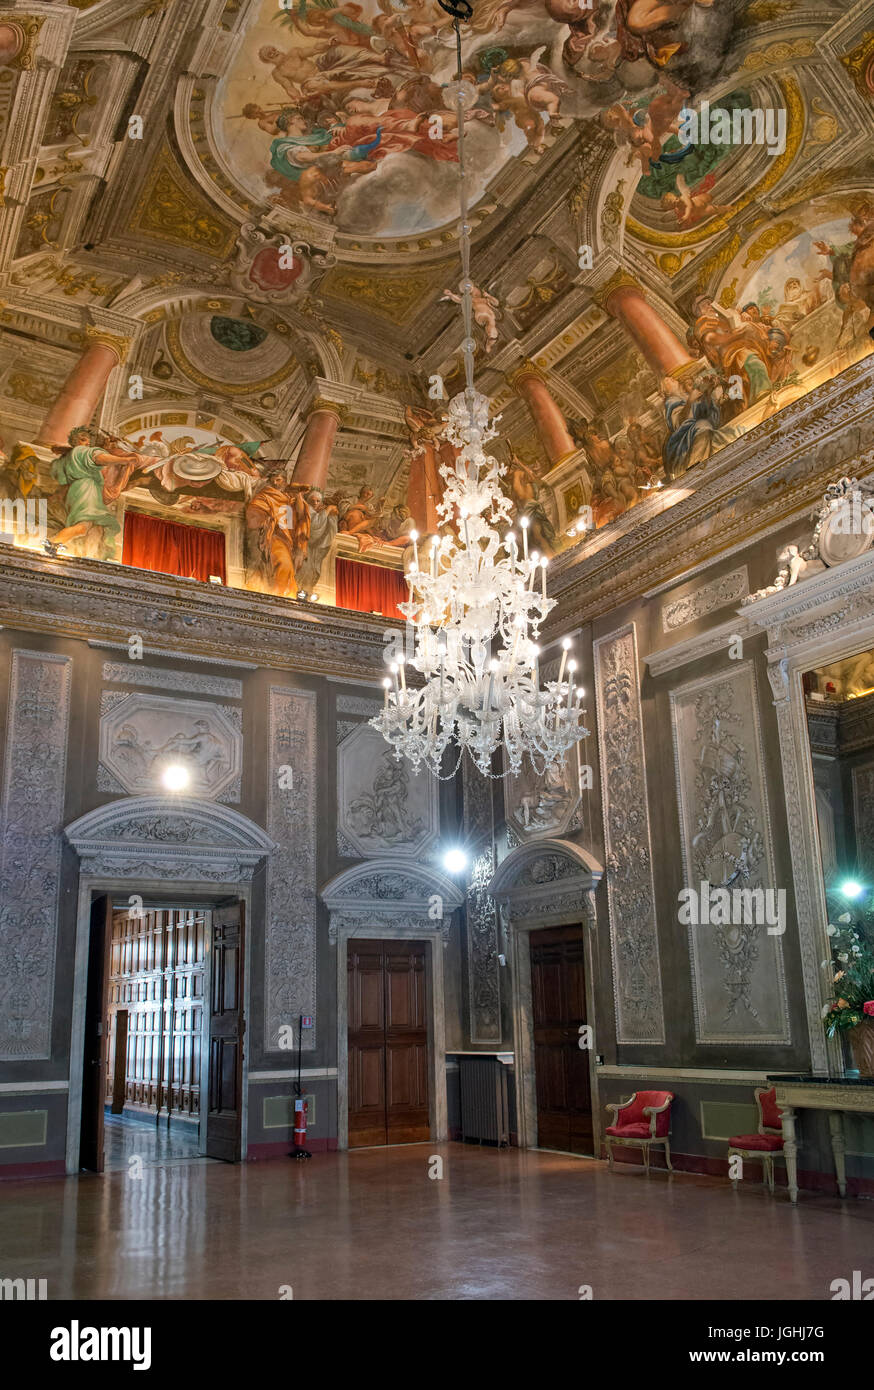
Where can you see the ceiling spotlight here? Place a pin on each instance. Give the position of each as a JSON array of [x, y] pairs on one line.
[[454, 860], [175, 777]]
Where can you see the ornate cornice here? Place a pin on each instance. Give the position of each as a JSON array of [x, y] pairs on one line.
[[92, 600]]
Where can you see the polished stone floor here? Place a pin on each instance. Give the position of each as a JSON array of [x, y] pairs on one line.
[[372, 1224], [125, 1138]]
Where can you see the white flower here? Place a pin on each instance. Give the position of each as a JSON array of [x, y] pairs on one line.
[[842, 955], [827, 1008], [845, 917], [832, 931]]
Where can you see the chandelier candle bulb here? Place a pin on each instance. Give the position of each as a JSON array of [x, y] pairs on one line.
[[524, 524], [386, 684], [403, 677], [565, 648], [414, 537], [394, 670], [543, 563], [493, 666], [571, 666]]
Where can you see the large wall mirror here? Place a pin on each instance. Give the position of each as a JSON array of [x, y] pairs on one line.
[[839, 702]]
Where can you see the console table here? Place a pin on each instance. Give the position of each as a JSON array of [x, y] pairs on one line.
[[832, 1094]]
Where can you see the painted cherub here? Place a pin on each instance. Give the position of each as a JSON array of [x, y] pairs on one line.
[[530, 91], [692, 205], [485, 306], [649, 127]]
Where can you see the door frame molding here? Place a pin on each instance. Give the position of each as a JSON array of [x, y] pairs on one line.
[[164, 848], [546, 883], [393, 899]]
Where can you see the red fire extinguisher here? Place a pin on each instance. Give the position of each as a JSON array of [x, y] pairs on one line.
[[300, 1128], [301, 1106]]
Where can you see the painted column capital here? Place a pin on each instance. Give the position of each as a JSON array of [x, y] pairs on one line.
[[324, 403], [522, 370], [619, 280], [19, 34], [114, 341]]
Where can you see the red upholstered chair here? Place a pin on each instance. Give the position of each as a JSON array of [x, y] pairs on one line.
[[641, 1122], [768, 1141]]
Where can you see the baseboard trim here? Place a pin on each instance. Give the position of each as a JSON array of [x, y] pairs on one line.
[[56, 1168], [261, 1153], [809, 1180]]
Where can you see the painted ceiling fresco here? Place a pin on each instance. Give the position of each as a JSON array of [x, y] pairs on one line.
[[673, 241], [337, 111]]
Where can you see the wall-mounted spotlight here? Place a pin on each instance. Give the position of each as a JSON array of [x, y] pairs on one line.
[[175, 777], [851, 889], [454, 861]]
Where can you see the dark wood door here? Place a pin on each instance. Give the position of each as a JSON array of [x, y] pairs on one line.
[[226, 1028], [95, 1051], [388, 1043], [561, 1066]]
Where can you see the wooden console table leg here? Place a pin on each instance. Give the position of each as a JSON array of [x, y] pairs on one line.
[[790, 1150], [836, 1125]]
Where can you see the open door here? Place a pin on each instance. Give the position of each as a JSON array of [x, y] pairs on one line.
[[224, 1114], [94, 1060]]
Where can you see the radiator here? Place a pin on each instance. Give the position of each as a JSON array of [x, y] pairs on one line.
[[485, 1114]]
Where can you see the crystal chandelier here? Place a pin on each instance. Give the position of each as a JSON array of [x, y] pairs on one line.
[[477, 597]]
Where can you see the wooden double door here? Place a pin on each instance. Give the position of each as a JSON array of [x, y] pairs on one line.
[[222, 1137], [388, 1043], [561, 1066]]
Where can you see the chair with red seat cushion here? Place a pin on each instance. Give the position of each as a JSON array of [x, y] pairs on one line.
[[640, 1122], [768, 1141]]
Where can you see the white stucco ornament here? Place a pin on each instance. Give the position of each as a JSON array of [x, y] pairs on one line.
[[844, 529]]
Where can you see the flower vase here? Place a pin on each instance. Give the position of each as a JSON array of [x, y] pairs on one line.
[[862, 1043]]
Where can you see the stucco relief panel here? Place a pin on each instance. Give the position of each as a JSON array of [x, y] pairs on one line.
[[141, 735], [30, 852], [739, 987], [541, 804], [290, 946], [382, 805], [630, 894]]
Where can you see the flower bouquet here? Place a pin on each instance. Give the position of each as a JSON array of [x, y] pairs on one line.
[[851, 1008]]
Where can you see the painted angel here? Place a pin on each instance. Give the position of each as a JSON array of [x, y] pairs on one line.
[[692, 205], [485, 310], [530, 91]]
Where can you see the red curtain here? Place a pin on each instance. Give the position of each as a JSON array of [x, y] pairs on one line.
[[371, 588], [192, 552]]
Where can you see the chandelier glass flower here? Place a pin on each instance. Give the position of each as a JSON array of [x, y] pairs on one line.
[[477, 597]]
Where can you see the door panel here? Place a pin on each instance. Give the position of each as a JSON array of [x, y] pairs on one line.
[[95, 1050], [558, 988], [224, 1114], [366, 1044], [388, 1043]]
